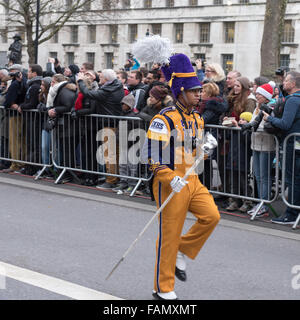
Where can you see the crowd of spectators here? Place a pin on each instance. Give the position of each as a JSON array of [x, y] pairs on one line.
[[230, 100]]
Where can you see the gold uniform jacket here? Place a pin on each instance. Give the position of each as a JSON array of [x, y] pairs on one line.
[[172, 142]]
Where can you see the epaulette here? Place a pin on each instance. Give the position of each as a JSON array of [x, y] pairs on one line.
[[167, 109]]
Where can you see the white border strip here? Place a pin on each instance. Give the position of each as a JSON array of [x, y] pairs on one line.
[[52, 284]]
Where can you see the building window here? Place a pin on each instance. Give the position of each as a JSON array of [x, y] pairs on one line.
[[53, 54], [156, 28], [227, 62], [200, 56], [204, 32], [229, 32], [6, 8], [288, 34], [68, 4], [3, 34], [109, 57], [178, 32], [106, 4], [90, 57], [87, 5], [244, 1], [74, 34], [193, 2], [92, 34], [113, 31], [218, 2], [147, 3], [170, 3], [132, 33], [284, 60], [126, 4], [70, 58]]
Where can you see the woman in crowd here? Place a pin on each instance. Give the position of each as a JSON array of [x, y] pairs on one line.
[[159, 98], [263, 146], [86, 127], [240, 100], [61, 99], [211, 106], [46, 135], [215, 73]]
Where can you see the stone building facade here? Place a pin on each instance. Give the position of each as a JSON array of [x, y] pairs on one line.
[[228, 32]]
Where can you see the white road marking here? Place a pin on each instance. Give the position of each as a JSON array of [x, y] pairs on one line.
[[52, 284]]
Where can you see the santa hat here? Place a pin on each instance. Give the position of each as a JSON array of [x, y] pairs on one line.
[[267, 90], [177, 69]]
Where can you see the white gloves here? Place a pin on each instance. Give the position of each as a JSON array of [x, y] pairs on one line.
[[178, 183]]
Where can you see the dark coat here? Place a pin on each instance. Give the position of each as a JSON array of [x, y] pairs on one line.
[[108, 97], [139, 92], [32, 95], [213, 108], [63, 102], [16, 92]]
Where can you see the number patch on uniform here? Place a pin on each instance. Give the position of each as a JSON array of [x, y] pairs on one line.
[[158, 126]]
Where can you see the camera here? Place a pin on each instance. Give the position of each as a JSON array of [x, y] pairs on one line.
[[253, 125], [50, 124], [14, 74], [281, 71]]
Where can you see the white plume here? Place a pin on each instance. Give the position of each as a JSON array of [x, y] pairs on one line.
[[152, 49]]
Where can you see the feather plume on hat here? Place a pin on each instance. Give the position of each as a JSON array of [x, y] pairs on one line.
[[152, 49], [177, 68]]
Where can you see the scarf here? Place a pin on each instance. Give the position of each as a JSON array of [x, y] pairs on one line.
[[79, 100], [52, 94]]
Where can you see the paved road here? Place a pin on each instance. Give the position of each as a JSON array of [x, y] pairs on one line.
[[79, 240]]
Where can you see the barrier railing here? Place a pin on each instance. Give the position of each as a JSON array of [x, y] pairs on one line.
[[21, 140], [233, 162], [291, 174], [94, 142]]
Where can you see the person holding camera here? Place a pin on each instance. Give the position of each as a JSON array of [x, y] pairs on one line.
[[211, 107], [14, 97], [237, 152], [290, 123], [31, 121], [86, 129], [263, 147]]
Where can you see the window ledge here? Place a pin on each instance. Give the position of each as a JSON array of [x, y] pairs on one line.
[[290, 44], [71, 44], [201, 45], [109, 44]]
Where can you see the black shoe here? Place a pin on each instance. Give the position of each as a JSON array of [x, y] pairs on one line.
[[180, 274]]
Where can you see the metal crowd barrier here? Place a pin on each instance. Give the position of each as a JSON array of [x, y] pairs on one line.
[[94, 142], [291, 173], [82, 145], [21, 141], [231, 166]]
